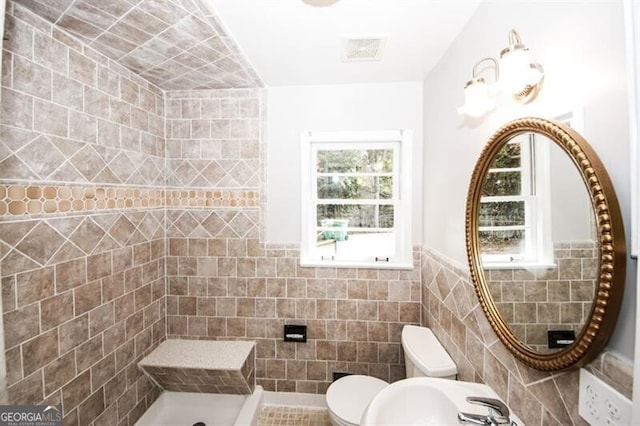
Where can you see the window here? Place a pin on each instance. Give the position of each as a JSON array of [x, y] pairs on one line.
[[514, 226], [356, 199]]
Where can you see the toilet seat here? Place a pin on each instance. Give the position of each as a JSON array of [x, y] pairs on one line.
[[349, 396]]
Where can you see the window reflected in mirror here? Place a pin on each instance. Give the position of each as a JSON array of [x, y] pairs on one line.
[[514, 207], [536, 236]]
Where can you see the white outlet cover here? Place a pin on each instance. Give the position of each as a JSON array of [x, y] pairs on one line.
[[600, 404]]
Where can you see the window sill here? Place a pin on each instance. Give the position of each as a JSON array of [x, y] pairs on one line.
[[357, 265]]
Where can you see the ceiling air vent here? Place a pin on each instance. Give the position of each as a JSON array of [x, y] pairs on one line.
[[363, 48]]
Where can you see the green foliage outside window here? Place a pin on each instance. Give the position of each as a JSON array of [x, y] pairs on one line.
[[503, 183], [355, 161], [353, 174], [509, 157]]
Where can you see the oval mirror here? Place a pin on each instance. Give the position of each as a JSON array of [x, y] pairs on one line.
[[545, 243]]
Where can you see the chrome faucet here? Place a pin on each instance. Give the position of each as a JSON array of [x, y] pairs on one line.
[[498, 413]]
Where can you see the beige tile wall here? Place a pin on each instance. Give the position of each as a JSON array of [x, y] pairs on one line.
[[213, 139], [224, 283], [451, 309], [72, 115], [83, 285], [224, 286], [175, 44], [533, 301]]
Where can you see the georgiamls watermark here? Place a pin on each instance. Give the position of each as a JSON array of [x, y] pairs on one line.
[[31, 415]]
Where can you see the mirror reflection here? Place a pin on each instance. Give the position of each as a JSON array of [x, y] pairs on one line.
[[537, 241]]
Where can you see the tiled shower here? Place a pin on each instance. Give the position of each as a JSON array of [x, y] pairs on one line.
[[83, 235], [132, 214]]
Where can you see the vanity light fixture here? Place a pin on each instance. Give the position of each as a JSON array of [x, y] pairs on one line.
[[515, 74]]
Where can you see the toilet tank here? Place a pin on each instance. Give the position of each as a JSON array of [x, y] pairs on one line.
[[424, 355]]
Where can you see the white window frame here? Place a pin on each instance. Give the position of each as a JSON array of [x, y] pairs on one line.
[[535, 184], [402, 141]]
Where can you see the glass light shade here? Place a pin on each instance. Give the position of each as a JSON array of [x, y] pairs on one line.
[[477, 99], [534, 75], [515, 70]]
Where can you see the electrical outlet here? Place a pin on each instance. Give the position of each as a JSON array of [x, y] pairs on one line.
[[600, 404]]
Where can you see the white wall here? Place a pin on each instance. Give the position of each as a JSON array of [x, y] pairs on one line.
[[632, 15], [581, 46], [296, 109], [572, 217]]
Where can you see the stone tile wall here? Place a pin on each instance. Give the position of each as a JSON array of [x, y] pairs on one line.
[[175, 44], [203, 381], [533, 301], [451, 309], [224, 283], [82, 263], [213, 139], [227, 286]]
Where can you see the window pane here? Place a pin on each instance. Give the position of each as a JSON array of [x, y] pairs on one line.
[[359, 244], [355, 161], [502, 242], [356, 216], [355, 188], [507, 213], [507, 157], [502, 183]]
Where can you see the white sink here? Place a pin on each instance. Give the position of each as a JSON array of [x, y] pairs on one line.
[[426, 401]]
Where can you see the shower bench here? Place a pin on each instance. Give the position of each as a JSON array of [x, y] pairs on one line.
[[204, 366]]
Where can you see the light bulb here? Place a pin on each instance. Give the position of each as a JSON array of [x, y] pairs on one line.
[[515, 68], [477, 99]]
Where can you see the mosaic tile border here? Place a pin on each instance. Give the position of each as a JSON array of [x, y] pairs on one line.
[[274, 415], [215, 198], [23, 200]]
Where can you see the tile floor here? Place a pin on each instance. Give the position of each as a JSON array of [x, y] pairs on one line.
[[273, 415]]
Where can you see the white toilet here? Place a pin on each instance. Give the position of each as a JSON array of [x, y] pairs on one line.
[[348, 397]]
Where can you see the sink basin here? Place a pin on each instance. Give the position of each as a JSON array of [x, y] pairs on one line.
[[425, 401]]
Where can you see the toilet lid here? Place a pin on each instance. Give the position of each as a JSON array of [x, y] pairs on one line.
[[349, 396]]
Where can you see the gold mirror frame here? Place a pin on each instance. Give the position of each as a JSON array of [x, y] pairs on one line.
[[610, 235]]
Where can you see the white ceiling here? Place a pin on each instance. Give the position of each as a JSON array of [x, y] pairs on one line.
[[291, 43]]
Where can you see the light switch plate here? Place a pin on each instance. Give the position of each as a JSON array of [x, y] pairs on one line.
[[600, 404]]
